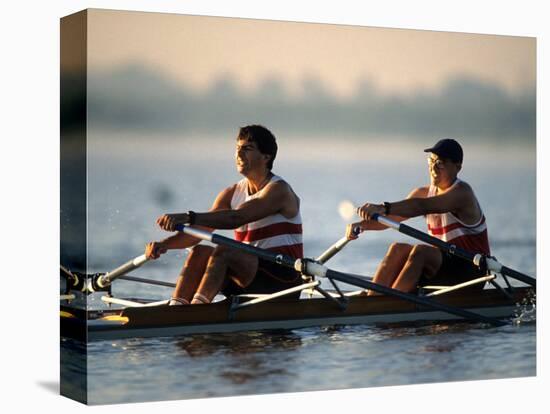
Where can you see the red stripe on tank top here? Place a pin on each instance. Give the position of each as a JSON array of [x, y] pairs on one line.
[[437, 231], [272, 230]]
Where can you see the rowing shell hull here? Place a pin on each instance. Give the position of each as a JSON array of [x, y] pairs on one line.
[[165, 320]]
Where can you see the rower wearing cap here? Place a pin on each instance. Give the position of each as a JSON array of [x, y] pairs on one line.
[[263, 210], [453, 215]]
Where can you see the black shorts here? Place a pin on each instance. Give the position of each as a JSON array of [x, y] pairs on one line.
[[269, 278], [453, 271]]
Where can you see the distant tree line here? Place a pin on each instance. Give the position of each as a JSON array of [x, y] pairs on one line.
[[135, 97]]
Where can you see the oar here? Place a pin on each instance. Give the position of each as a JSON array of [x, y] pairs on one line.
[[105, 280], [336, 247], [313, 268], [475, 258]]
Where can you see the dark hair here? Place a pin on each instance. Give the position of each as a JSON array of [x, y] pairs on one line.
[[263, 138]]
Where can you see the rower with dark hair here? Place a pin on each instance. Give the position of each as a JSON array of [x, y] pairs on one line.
[[264, 211], [453, 215]]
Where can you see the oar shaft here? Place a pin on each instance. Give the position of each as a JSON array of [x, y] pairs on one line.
[[517, 275], [332, 250], [336, 247], [108, 278]]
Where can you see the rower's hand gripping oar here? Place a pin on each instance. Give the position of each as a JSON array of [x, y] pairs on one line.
[[480, 260], [311, 267]]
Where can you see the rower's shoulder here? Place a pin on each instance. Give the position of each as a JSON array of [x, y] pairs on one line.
[[280, 186], [463, 187], [465, 198], [282, 191], [419, 192], [223, 200], [230, 190], [278, 182]]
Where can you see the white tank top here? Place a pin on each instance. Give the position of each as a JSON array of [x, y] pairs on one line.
[[276, 232], [447, 227]]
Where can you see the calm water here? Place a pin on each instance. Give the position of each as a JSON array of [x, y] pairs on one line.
[[130, 185]]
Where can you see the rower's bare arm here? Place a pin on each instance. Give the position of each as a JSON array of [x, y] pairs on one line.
[[278, 198], [419, 204], [419, 192], [181, 240]]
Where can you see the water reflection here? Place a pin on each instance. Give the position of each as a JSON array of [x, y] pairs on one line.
[[249, 356], [240, 343], [407, 329]]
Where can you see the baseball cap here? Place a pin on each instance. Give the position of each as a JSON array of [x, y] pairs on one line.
[[447, 148]]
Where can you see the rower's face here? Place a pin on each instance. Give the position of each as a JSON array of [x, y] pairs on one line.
[[442, 170], [248, 157]]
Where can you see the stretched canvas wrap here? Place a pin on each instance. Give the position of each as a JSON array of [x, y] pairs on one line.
[[152, 106]]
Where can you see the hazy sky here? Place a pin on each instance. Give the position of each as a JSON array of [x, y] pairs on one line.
[[198, 50]]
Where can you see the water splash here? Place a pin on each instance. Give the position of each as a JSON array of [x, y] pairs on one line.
[[526, 310]]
